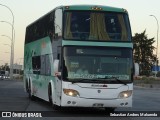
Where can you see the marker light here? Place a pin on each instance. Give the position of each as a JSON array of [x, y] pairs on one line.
[[125, 94], [96, 8], [71, 92], [125, 10], [66, 7]]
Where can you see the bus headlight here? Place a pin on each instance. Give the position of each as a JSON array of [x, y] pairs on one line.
[[125, 94], [71, 92]]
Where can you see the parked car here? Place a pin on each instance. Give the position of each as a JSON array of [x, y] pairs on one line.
[[2, 74]]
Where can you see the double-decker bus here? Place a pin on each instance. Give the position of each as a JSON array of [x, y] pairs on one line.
[[80, 56]]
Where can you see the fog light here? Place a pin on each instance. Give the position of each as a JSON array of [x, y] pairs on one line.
[[122, 104], [69, 102], [73, 102], [126, 103]]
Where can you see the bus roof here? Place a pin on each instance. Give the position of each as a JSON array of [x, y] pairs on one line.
[[85, 7], [93, 7]]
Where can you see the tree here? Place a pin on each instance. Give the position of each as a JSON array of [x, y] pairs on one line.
[[5, 67], [143, 52]]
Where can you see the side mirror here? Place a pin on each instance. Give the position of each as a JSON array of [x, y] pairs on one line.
[[136, 69], [56, 66]]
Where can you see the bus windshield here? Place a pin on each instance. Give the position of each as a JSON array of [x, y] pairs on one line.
[[101, 26], [97, 63]]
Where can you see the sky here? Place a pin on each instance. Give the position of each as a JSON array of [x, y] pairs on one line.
[[27, 11]]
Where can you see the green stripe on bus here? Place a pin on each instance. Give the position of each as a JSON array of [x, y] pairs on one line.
[[107, 44]]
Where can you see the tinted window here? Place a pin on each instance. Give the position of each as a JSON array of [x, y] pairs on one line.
[[41, 28], [99, 62], [36, 64], [105, 26], [41, 65]]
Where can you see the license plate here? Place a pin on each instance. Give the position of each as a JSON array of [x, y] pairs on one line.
[[97, 105]]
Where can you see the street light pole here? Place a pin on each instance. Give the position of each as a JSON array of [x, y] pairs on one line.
[[11, 26], [11, 70], [156, 66], [12, 44]]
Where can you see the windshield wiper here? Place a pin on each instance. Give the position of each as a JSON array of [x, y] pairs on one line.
[[98, 80], [83, 80], [113, 78]]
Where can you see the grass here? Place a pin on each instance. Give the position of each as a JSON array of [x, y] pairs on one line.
[[147, 81]]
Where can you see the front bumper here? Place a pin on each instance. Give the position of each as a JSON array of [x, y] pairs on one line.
[[69, 101]]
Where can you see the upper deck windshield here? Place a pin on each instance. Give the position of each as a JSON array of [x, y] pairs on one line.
[[97, 64], [101, 26]]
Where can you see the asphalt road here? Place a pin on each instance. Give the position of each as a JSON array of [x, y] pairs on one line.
[[13, 98]]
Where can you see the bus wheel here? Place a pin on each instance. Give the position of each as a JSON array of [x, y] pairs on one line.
[[30, 92], [55, 107], [110, 110]]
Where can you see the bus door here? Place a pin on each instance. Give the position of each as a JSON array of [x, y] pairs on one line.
[[58, 81]]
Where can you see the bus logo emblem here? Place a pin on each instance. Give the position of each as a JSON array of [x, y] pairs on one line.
[[99, 91]]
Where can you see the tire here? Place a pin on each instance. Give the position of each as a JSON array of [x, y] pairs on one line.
[[55, 107], [110, 110]]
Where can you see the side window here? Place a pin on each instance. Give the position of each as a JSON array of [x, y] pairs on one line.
[[42, 65], [41, 28], [36, 64], [48, 66], [59, 57], [50, 28], [58, 23]]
